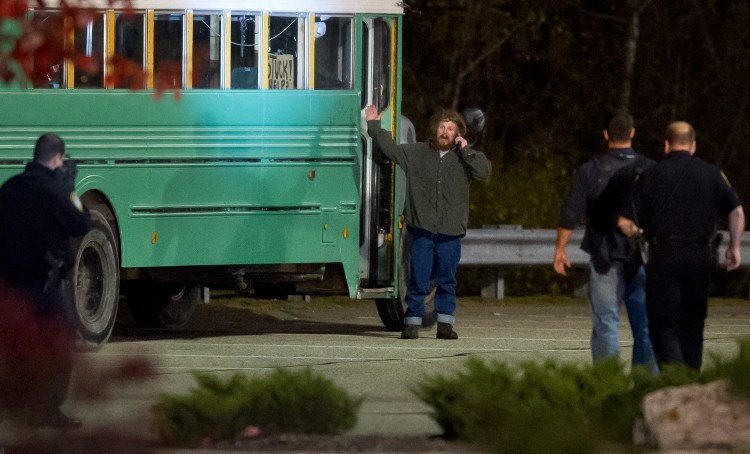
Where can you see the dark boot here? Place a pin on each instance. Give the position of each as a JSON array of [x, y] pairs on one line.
[[410, 332], [445, 331]]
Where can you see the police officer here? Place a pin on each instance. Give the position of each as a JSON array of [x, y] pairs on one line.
[[600, 187], [40, 213], [676, 203]]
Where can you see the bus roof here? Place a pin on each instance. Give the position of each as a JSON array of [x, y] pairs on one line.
[[291, 6]]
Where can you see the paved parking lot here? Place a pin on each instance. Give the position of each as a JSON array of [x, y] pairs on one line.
[[345, 341]]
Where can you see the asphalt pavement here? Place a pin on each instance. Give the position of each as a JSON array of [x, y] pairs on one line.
[[344, 340]]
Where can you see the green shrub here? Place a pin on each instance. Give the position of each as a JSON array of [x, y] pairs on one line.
[[288, 401], [561, 408], [533, 408], [736, 370]]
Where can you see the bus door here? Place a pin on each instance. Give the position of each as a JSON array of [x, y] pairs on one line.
[[379, 218]]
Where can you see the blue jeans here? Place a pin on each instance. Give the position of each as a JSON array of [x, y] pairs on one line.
[[442, 252], [605, 293]]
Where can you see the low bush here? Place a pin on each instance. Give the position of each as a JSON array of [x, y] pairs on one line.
[[286, 401], [550, 407]]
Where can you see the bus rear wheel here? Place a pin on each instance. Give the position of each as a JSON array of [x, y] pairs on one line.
[[94, 283], [162, 305], [392, 310]]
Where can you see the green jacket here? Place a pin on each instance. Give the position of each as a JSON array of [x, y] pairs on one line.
[[437, 189]]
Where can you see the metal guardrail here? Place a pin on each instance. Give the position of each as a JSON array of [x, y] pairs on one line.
[[496, 248], [513, 245]]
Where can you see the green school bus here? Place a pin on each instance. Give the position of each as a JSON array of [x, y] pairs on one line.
[[255, 174]]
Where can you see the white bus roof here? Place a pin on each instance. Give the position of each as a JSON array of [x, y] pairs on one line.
[[280, 6]]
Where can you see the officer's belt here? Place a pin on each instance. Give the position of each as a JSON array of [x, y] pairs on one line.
[[677, 241]]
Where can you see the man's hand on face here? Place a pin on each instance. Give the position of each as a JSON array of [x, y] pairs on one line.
[[461, 142]]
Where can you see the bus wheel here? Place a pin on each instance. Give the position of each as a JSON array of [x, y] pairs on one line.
[[162, 305], [391, 312], [95, 283]]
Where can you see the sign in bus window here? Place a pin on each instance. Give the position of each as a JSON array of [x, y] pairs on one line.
[[286, 46], [168, 38], [129, 40], [50, 70], [206, 51], [245, 29], [280, 72], [333, 53]]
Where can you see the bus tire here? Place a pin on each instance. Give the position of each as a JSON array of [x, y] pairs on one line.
[[94, 283], [393, 310], [156, 304]]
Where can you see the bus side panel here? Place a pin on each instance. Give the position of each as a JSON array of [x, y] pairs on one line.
[[215, 178]]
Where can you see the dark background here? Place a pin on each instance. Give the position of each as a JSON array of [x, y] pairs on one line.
[[548, 73]]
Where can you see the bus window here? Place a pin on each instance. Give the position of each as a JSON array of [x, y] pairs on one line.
[[245, 29], [206, 50], [286, 47], [333, 53], [129, 42], [52, 71], [381, 70], [168, 36], [89, 42]]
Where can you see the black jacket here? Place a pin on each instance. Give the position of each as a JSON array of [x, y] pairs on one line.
[[681, 198], [600, 188], [37, 215]]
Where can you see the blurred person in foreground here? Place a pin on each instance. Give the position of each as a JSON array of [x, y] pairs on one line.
[[40, 214], [601, 186], [676, 204], [438, 174]]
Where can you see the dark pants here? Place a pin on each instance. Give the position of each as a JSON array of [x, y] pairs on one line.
[[436, 256], [677, 285], [36, 353]]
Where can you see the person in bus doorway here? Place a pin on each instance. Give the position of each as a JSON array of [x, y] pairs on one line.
[[677, 203], [40, 214], [601, 186], [436, 211]]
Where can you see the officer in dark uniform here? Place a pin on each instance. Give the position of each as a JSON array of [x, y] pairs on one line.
[[676, 203], [40, 214]]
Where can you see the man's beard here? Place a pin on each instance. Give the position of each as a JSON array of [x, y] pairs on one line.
[[444, 143]]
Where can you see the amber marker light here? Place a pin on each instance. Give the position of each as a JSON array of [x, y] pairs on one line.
[[346, 232], [311, 174], [153, 237]]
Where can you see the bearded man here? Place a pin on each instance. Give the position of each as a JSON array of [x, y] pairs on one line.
[[436, 211]]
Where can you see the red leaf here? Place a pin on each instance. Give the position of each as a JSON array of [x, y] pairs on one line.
[[13, 9]]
